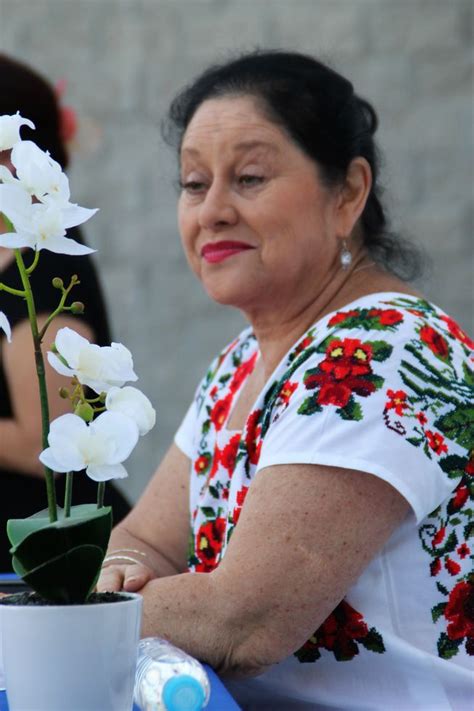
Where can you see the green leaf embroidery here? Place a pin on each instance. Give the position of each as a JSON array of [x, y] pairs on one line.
[[458, 425], [309, 407], [208, 512], [380, 350], [373, 641], [468, 375], [352, 411], [214, 492], [438, 610], [442, 589], [453, 465], [469, 530], [448, 648]]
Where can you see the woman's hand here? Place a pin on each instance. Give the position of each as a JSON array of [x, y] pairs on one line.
[[130, 577]]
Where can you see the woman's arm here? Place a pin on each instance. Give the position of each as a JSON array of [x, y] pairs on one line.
[[155, 532], [20, 435], [304, 536]]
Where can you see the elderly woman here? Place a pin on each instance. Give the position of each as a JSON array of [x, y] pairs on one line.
[[314, 507]]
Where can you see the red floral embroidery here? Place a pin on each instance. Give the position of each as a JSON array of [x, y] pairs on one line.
[[397, 402], [287, 390], [303, 344], [469, 469], [438, 537], [435, 567], [240, 502], [421, 417], [202, 463], [340, 633], [229, 453], [252, 442], [209, 541], [242, 372], [460, 497], [387, 317], [342, 372], [459, 611], [452, 567], [463, 550], [342, 316], [220, 411], [436, 442], [435, 341], [456, 331]]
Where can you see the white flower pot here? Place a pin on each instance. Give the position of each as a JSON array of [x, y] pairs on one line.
[[71, 657]]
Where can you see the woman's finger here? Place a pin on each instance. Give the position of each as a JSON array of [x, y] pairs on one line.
[[136, 576], [111, 579]]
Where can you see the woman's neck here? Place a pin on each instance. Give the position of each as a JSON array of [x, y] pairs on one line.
[[278, 329]]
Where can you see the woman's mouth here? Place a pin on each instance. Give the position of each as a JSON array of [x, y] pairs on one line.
[[218, 251]]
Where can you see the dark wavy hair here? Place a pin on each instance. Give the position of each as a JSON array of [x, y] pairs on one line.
[[320, 111], [25, 90]]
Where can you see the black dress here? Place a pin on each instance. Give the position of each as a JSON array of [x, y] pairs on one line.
[[22, 495]]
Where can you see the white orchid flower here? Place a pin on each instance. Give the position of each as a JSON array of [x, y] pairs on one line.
[[99, 448], [132, 403], [40, 226], [5, 326], [100, 368], [10, 130], [39, 174]]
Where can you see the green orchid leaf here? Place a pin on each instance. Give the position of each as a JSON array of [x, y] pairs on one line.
[[68, 578], [66, 554]]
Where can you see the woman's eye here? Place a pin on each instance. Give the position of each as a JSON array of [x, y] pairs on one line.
[[250, 180], [192, 186]]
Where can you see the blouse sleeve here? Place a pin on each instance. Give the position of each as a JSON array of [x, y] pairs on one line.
[[184, 437], [377, 406]]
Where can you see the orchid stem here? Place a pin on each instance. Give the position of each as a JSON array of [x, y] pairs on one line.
[[39, 362], [100, 494], [68, 495]]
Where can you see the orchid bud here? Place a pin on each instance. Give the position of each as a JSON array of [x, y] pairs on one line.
[[77, 307], [85, 411], [58, 283], [64, 393], [53, 348]]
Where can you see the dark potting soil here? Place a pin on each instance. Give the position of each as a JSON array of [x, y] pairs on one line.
[[29, 598]]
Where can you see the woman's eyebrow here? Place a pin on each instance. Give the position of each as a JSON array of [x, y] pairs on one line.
[[241, 147]]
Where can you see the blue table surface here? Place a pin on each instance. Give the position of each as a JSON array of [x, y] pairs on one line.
[[220, 699]]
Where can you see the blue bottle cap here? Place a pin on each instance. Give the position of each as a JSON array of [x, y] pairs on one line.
[[183, 693]]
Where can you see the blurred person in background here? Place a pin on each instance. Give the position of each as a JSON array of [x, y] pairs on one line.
[[310, 525], [22, 485]]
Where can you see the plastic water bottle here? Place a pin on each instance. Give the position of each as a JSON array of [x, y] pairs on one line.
[[168, 679]]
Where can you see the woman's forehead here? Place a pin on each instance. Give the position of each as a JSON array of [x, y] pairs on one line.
[[236, 120]]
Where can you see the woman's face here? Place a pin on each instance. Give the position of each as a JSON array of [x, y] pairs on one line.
[[257, 224]]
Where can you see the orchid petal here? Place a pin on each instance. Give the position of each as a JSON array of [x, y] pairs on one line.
[[120, 432], [10, 130], [5, 326], [57, 364], [134, 404], [14, 240], [75, 215], [64, 245], [68, 342], [105, 472]]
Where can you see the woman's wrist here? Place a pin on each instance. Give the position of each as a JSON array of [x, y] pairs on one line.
[[123, 554]]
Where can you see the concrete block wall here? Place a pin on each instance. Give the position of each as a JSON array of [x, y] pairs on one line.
[[125, 59]]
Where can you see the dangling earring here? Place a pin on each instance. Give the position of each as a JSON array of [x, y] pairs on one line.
[[345, 256]]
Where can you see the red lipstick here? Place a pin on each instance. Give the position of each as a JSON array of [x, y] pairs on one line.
[[214, 252]]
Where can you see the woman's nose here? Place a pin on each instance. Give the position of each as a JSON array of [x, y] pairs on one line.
[[217, 209]]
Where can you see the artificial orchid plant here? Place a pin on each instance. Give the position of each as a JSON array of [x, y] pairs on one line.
[[59, 551]]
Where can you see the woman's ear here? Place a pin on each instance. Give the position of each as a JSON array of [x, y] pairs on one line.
[[353, 195]]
